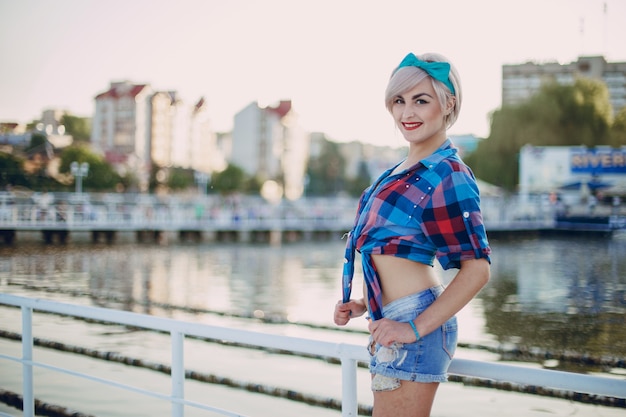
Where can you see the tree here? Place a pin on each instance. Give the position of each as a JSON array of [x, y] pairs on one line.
[[101, 174], [558, 115], [357, 185], [78, 127], [229, 181], [34, 168], [180, 178], [618, 129], [37, 141], [326, 172], [12, 171]]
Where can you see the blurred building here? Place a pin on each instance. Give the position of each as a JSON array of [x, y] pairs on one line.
[[573, 170], [51, 125], [121, 128], [13, 134], [135, 127], [269, 144], [521, 81]]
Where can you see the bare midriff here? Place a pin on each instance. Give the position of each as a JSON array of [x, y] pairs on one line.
[[400, 277]]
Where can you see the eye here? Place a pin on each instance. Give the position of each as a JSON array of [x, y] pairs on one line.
[[421, 101], [398, 100]]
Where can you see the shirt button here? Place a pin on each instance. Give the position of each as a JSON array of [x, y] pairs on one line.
[[466, 214]]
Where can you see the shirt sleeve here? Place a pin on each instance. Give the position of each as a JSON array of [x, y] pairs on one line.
[[453, 221]]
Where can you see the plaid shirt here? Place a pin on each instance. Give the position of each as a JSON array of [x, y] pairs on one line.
[[430, 210]]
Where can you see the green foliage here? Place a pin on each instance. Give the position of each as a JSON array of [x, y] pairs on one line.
[[618, 129], [559, 115], [157, 177], [326, 172], [585, 112], [231, 180], [356, 186], [78, 127], [101, 176], [180, 178], [37, 141], [252, 185], [12, 171]]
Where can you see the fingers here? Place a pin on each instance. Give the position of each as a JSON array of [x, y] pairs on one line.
[[342, 313], [349, 310], [384, 331]]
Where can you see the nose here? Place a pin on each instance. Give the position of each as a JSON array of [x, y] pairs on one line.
[[408, 111]]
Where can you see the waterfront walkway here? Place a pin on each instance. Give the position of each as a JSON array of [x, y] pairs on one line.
[[153, 218], [243, 218]]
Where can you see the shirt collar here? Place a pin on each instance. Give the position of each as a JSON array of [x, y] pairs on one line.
[[445, 151]]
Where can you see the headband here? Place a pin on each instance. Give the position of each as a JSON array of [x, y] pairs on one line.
[[440, 71]]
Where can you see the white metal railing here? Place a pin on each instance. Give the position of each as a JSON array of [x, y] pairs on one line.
[[349, 356], [175, 217], [136, 212]]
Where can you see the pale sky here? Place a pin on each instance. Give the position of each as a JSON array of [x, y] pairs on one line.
[[332, 58]]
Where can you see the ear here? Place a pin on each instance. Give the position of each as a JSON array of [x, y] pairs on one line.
[[450, 105]]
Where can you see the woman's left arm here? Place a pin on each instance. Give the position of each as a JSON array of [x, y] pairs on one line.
[[471, 278]]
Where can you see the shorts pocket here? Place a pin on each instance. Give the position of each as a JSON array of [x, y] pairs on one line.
[[450, 335]]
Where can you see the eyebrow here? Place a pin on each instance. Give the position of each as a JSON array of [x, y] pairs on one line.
[[416, 96]]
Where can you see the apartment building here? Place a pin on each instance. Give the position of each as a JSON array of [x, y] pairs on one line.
[[163, 105], [521, 81], [206, 155], [268, 143], [135, 126], [121, 127]]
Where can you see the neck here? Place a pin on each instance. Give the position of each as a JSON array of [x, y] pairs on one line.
[[419, 151]]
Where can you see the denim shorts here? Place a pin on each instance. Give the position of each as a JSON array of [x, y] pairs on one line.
[[426, 360]]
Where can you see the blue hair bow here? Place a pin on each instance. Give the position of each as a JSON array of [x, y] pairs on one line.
[[440, 71]]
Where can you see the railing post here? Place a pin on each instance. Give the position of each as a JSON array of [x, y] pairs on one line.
[[27, 356], [349, 404], [178, 373]]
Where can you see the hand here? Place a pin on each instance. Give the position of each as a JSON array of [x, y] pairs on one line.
[[386, 332], [345, 311]]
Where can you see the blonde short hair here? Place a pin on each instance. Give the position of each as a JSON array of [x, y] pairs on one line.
[[405, 78]]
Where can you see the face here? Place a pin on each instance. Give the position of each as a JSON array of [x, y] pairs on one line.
[[418, 115]]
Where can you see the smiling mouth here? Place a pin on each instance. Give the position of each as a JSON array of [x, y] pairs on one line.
[[411, 126]]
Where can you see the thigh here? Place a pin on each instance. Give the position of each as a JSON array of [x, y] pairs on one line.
[[412, 399]]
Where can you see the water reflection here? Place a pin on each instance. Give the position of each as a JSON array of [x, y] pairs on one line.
[[557, 294], [294, 281]]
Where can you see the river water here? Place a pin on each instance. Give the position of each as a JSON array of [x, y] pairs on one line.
[[548, 296]]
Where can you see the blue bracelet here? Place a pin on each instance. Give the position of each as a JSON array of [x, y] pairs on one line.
[[417, 335]]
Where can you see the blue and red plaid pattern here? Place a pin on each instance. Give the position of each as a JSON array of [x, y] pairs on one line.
[[430, 210]]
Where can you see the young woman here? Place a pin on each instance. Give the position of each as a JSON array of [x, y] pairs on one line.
[[425, 207]]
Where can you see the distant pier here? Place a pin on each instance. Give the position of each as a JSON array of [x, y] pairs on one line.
[[103, 218]]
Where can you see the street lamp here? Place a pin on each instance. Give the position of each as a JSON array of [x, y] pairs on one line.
[[79, 171]]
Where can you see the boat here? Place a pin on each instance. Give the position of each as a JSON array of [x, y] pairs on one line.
[[590, 223]]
